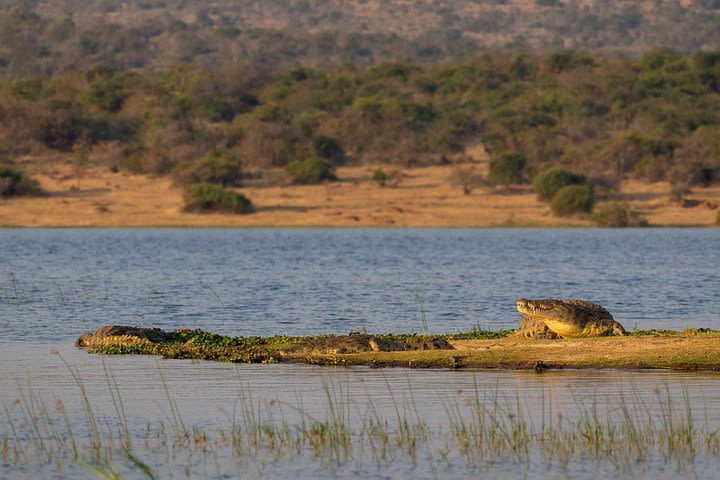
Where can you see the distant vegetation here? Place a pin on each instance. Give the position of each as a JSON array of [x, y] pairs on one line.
[[310, 170], [572, 200], [208, 197], [616, 214], [467, 179], [506, 169], [380, 177], [656, 118], [549, 182], [40, 37], [15, 183]]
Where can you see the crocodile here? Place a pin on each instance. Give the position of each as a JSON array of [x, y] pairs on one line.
[[566, 318], [121, 334]]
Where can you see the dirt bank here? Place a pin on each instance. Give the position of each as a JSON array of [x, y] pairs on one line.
[[423, 197]]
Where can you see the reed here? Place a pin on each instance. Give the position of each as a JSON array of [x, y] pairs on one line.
[[480, 428]]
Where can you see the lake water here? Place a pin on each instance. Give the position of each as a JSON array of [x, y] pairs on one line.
[[57, 284]]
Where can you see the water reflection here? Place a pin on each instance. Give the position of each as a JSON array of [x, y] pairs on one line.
[[211, 398], [205, 390]]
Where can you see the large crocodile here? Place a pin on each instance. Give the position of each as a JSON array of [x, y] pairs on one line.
[[567, 319]]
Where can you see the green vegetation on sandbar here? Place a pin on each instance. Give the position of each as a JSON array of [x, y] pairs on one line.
[[198, 344], [690, 349]]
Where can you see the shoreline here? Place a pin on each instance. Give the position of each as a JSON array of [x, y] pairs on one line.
[[424, 199], [347, 227]]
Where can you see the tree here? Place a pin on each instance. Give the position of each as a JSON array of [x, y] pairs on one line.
[[330, 149], [572, 200], [209, 197], [466, 178], [549, 182], [507, 169], [310, 170], [81, 161], [221, 167]]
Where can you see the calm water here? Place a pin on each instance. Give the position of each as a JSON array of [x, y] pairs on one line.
[[56, 284]]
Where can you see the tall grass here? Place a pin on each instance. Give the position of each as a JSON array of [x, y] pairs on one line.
[[478, 428], [423, 315]]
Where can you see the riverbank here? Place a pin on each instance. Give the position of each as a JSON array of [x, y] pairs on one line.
[[650, 349], [419, 197]]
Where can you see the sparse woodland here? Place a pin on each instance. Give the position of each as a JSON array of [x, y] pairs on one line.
[[655, 117], [208, 91]]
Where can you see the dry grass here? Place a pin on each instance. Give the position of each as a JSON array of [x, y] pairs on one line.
[[677, 351], [423, 198]]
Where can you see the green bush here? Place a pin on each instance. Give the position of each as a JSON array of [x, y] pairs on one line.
[[380, 177], [310, 170], [549, 182], [572, 200], [16, 183], [616, 214], [108, 95], [209, 197], [507, 169], [221, 167]]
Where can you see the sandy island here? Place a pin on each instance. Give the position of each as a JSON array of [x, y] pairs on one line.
[[687, 350]]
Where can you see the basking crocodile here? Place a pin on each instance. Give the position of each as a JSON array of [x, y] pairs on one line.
[[121, 334], [567, 319]]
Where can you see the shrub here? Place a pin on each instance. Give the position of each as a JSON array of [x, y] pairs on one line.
[[572, 200], [16, 183], [209, 197], [330, 149], [507, 169], [310, 170], [108, 95], [380, 177], [222, 167], [616, 214], [467, 179], [549, 182], [691, 172], [678, 192]]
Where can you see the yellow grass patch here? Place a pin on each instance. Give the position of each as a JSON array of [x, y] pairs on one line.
[[685, 352], [424, 197]]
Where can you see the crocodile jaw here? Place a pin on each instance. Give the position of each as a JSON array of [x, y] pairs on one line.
[[545, 310]]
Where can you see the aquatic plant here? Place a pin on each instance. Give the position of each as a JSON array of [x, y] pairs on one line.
[[480, 428]]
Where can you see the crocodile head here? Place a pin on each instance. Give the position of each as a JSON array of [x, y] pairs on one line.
[[547, 309], [572, 318]]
